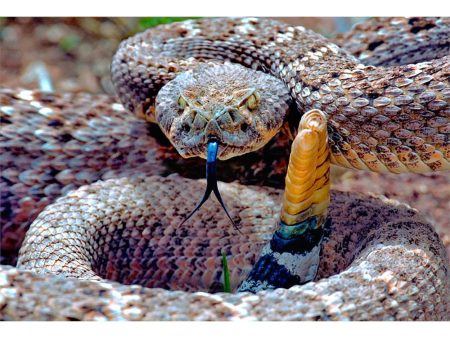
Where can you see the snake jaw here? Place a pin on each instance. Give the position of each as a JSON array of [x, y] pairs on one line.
[[211, 181]]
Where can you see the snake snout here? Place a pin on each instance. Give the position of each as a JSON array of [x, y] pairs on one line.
[[213, 131], [231, 120]]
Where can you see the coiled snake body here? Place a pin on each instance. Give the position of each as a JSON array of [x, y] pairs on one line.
[[392, 118]]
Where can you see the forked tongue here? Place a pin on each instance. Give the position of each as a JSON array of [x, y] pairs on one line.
[[211, 181]]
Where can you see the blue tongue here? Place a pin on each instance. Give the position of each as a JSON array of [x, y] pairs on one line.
[[211, 181]]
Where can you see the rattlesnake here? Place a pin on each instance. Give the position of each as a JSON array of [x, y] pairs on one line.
[[382, 119]]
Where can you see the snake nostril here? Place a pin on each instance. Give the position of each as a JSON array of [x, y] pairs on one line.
[[186, 127], [244, 127]]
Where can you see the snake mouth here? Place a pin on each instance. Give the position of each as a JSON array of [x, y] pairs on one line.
[[211, 181], [224, 152]]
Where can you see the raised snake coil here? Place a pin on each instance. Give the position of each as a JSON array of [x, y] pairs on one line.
[[379, 243], [380, 118]]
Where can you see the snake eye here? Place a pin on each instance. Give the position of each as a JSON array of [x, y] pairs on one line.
[[182, 102], [252, 101]]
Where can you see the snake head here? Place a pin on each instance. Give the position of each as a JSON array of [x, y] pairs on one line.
[[239, 107]]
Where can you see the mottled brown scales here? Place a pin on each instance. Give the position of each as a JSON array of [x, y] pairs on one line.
[[379, 261], [358, 99], [37, 170], [388, 41]]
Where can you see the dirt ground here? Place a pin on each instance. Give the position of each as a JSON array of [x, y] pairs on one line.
[[76, 54]]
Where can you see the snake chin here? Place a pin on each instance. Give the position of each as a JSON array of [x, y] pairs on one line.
[[239, 107]]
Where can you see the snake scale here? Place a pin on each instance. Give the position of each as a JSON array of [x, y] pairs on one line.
[[390, 114]]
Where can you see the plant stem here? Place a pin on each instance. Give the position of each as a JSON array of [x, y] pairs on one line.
[[226, 274]]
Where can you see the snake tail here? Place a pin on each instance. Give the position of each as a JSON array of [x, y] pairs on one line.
[[292, 255]]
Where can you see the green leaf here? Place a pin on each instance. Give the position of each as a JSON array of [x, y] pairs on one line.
[[151, 22], [226, 274], [69, 42]]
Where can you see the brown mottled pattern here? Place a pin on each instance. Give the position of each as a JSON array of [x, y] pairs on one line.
[[371, 249], [53, 143], [428, 193], [384, 119], [397, 41], [49, 148], [380, 260]]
